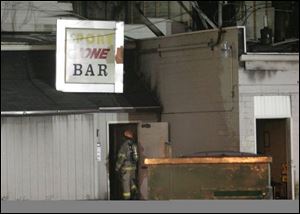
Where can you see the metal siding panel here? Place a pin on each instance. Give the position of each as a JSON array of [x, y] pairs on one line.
[[92, 152], [63, 140], [79, 158], [34, 159], [85, 169], [85, 142], [105, 155], [71, 157], [19, 163], [48, 158], [26, 157], [101, 169], [11, 161], [4, 162], [256, 107], [41, 158], [272, 106], [88, 153], [91, 155], [265, 105], [56, 160], [48, 149], [288, 105], [278, 106], [95, 162], [283, 106]]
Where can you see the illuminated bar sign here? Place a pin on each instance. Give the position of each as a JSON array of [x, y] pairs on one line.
[[89, 56]]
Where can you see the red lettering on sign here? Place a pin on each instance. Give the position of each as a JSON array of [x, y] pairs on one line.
[[94, 53], [104, 53]]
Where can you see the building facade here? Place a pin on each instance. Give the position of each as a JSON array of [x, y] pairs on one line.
[[218, 97]]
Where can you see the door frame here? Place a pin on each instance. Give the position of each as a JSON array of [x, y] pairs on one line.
[[108, 123], [289, 147]]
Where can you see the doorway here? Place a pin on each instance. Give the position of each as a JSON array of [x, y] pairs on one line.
[[273, 139], [115, 141]]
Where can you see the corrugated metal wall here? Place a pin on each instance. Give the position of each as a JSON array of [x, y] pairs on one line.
[[49, 158], [55, 157]]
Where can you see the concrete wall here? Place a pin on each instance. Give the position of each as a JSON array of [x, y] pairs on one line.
[[197, 88], [268, 83], [145, 117]]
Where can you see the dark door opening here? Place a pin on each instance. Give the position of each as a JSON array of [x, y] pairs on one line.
[[115, 140], [273, 140]]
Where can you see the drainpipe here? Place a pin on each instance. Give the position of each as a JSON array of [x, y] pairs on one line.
[[254, 20], [220, 14]]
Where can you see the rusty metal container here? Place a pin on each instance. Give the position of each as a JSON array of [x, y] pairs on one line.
[[209, 177]]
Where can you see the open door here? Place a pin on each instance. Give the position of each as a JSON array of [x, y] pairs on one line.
[[290, 168], [273, 139], [116, 139], [153, 141]]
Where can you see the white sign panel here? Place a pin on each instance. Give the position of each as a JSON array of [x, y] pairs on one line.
[[89, 56]]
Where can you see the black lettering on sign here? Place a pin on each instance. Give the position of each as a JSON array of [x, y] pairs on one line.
[[89, 70], [102, 68], [77, 70]]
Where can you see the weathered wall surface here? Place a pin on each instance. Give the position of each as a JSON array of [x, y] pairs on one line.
[[196, 85], [284, 82]]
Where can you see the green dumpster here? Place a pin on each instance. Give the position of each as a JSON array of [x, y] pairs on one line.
[[209, 177]]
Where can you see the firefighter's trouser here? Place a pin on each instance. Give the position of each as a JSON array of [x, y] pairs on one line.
[[128, 183]]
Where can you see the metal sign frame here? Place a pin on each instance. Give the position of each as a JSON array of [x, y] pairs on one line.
[[61, 51]]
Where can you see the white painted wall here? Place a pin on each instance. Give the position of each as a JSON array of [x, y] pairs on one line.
[[279, 83]]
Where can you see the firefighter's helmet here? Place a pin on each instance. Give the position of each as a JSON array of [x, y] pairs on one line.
[[128, 133]]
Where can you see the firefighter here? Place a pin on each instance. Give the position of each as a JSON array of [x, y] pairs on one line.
[[126, 166]]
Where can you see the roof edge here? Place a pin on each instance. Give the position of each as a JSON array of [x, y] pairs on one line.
[[81, 111]]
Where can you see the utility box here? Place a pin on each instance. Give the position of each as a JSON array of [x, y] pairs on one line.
[[209, 177]]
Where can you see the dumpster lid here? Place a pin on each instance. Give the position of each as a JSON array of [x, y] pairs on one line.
[[214, 157], [220, 153]]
